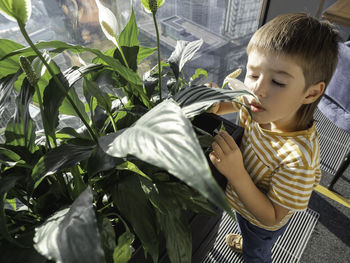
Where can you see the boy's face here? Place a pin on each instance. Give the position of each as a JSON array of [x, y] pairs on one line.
[[278, 82]]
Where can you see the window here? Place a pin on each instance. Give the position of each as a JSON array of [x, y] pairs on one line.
[[225, 26]]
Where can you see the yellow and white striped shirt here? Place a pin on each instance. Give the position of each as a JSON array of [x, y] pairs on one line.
[[284, 166]]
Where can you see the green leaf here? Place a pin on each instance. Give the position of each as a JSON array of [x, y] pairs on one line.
[[53, 97], [78, 183], [165, 138], [145, 52], [64, 156], [100, 161], [133, 168], [130, 54], [10, 65], [103, 100], [183, 52], [9, 158], [20, 130], [197, 99], [177, 236], [107, 236], [71, 235], [6, 184], [6, 88], [129, 36], [122, 253], [198, 73], [13, 203], [59, 46], [135, 208], [67, 108]]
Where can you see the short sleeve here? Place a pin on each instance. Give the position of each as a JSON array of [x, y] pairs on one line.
[[291, 186]]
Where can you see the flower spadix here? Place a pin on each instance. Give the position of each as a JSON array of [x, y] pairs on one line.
[[16, 10], [151, 6]]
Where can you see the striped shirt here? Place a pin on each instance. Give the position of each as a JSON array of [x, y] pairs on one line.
[[284, 166]]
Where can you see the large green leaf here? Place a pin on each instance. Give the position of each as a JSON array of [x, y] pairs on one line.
[[59, 46], [6, 184], [165, 138], [177, 236], [20, 131], [129, 36], [183, 52], [145, 52], [16, 10], [130, 54], [6, 88], [135, 208], [100, 161], [54, 97], [196, 99], [64, 156], [107, 237], [9, 158], [11, 64], [103, 100], [122, 252], [71, 235]]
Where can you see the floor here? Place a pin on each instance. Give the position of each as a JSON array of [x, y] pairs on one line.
[[330, 240]]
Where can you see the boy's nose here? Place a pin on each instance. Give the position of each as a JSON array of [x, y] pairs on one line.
[[260, 88]]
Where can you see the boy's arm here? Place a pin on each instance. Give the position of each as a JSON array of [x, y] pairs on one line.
[[222, 108], [227, 158]]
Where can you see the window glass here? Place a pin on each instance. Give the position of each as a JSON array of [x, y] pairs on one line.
[[224, 25]]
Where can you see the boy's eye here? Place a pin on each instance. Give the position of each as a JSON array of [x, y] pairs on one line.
[[254, 76], [278, 83]]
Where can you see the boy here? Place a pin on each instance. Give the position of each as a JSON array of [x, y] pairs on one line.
[[290, 62]]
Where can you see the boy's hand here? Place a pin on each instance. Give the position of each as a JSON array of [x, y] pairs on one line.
[[226, 155]]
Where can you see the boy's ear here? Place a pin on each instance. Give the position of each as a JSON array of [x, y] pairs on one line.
[[314, 92]]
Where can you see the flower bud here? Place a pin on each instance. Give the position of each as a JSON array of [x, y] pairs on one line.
[[28, 70]]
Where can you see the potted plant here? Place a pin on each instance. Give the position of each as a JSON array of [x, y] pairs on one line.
[[129, 168]]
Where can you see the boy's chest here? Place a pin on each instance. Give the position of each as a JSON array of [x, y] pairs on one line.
[[261, 156]]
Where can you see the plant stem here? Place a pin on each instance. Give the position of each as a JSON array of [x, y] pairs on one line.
[[57, 81], [159, 65], [121, 52], [43, 116], [112, 121]]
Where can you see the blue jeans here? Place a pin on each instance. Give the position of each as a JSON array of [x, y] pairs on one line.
[[257, 242]]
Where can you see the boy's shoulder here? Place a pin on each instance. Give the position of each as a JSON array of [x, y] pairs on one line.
[[302, 148]]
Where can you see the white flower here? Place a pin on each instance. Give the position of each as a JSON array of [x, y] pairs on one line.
[[108, 22]]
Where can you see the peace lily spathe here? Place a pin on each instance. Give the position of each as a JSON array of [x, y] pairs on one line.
[[232, 81], [16, 10], [108, 22]]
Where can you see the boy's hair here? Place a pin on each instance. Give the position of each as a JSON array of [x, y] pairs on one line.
[[312, 43]]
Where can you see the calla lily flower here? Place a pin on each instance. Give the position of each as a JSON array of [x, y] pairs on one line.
[[16, 10]]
